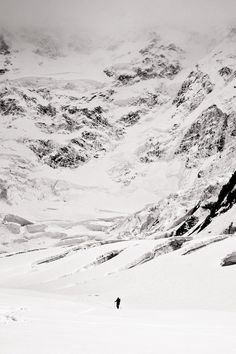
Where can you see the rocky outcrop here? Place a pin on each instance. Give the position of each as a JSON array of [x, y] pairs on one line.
[[194, 90], [3, 71], [229, 260], [225, 72], [4, 47], [177, 215], [56, 155], [187, 225], [48, 110], [130, 119], [159, 60], [155, 219], [95, 134], [10, 106], [89, 144], [226, 199], [42, 148], [93, 118], [151, 100], [207, 135], [156, 60]]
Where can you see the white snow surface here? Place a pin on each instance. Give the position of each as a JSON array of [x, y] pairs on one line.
[[32, 322], [173, 304]]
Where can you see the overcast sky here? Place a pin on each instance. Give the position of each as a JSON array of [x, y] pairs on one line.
[[108, 15]]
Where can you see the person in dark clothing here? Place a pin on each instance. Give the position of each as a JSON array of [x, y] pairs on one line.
[[117, 301]]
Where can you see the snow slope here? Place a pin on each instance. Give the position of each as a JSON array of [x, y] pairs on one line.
[[63, 297], [54, 325], [184, 295], [146, 273]]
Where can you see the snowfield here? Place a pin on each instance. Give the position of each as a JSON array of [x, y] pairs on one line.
[[35, 323], [173, 303]]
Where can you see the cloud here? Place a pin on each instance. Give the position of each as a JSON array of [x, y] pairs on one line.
[[112, 15]]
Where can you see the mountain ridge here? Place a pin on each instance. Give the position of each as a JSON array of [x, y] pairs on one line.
[[155, 127]]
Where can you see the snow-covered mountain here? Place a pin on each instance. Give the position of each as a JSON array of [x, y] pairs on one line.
[[117, 177], [115, 140], [135, 121]]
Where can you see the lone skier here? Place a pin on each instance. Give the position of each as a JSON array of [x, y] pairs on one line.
[[117, 301]]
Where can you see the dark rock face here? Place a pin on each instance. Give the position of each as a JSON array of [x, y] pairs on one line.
[[55, 155], [89, 135], [226, 199], [10, 106], [225, 72], [4, 47], [229, 260], [89, 117], [94, 138], [166, 70], [65, 123], [48, 110], [91, 145], [207, 135], [122, 78], [10, 218], [187, 225], [125, 79], [42, 147], [158, 62], [130, 119], [194, 90], [65, 156], [70, 109], [3, 71], [108, 72], [95, 134]]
